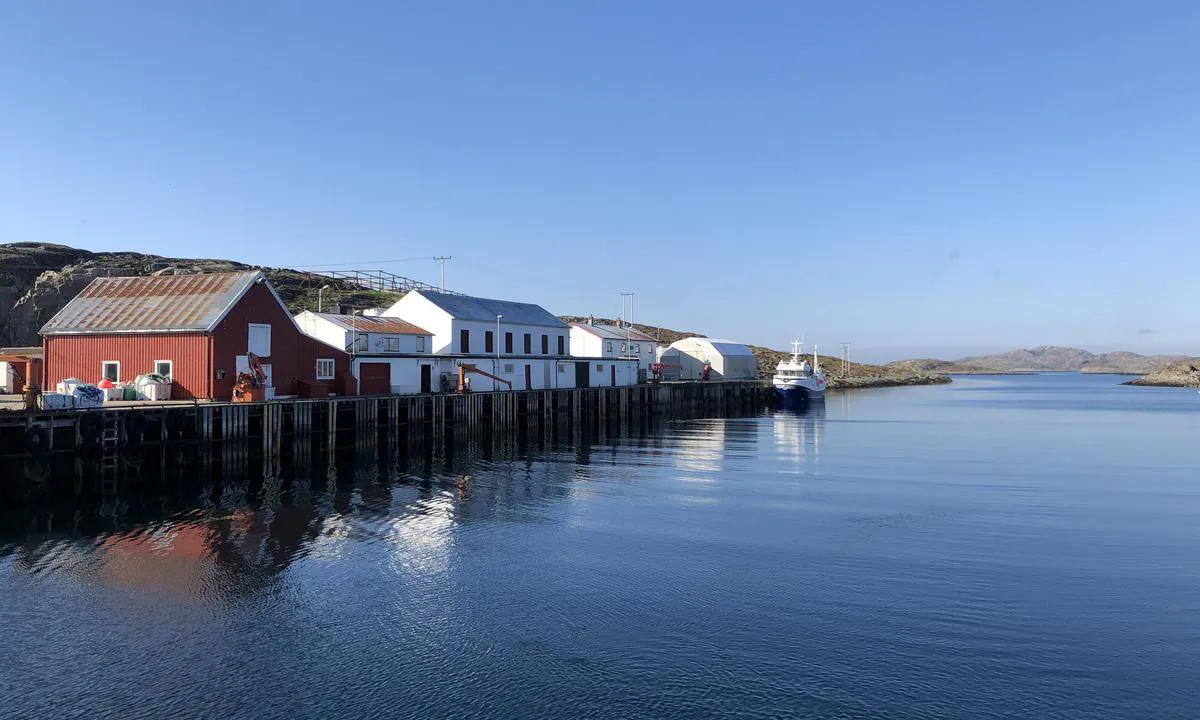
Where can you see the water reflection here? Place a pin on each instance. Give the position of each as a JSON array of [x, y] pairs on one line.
[[204, 526], [798, 436]]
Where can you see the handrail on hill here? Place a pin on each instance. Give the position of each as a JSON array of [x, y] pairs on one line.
[[380, 280]]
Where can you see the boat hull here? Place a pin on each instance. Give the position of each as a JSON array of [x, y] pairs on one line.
[[794, 390]]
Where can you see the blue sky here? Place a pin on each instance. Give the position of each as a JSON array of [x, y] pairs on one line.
[[916, 178]]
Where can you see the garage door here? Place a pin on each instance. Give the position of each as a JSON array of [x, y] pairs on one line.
[[374, 378]]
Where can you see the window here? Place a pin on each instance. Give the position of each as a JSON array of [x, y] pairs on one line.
[[325, 369], [636, 348], [508, 367], [489, 342], [562, 367], [259, 340], [608, 347], [599, 368], [508, 342], [420, 343], [391, 344], [464, 341], [562, 345], [360, 343], [545, 344], [110, 370], [528, 344], [622, 347], [164, 368]]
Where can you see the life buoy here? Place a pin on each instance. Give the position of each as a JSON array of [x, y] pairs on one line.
[[37, 442]]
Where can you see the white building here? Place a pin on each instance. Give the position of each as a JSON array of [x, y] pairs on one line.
[[729, 360], [371, 335], [418, 344], [464, 325], [591, 339]]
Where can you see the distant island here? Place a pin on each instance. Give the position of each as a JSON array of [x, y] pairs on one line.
[[1048, 358]]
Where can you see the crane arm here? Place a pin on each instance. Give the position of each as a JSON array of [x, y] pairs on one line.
[[464, 368]]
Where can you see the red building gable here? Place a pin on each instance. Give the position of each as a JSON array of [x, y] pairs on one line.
[[199, 327]]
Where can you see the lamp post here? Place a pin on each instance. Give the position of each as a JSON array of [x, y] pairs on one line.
[[496, 343], [320, 292]]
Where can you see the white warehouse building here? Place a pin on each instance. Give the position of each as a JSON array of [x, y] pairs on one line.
[[729, 360], [592, 339], [419, 344], [464, 325]]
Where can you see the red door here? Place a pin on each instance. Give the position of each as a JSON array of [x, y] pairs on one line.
[[528, 377], [374, 379]]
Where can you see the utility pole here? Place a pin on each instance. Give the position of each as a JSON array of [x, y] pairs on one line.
[[845, 358], [628, 327], [442, 259]]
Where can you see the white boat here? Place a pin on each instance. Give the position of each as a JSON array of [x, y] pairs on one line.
[[796, 380]]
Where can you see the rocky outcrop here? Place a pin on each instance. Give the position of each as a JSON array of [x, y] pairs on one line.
[[1181, 374], [38, 279], [888, 380]]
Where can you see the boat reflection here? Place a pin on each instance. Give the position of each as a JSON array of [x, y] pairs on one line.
[[798, 431]]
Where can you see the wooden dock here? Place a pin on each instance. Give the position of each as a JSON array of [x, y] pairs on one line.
[[330, 423]]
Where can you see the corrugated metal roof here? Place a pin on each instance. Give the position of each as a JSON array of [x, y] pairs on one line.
[[154, 303], [374, 324], [612, 332], [465, 307]]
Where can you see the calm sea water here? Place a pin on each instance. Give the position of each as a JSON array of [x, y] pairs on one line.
[[1003, 547]]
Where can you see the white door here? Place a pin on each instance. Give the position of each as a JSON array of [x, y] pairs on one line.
[[259, 340], [270, 378]]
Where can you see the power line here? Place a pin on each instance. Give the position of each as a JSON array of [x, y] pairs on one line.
[[364, 262]]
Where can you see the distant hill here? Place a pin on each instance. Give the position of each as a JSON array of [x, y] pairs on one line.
[[1047, 358], [1050, 358]]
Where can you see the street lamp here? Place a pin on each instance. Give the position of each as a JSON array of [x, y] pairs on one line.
[[319, 299], [496, 344], [498, 337]]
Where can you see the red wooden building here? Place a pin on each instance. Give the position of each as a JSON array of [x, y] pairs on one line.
[[198, 329]]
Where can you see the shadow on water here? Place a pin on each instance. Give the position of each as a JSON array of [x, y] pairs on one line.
[[178, 517]]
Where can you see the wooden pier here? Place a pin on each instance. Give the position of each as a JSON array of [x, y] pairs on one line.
[[329, 423]]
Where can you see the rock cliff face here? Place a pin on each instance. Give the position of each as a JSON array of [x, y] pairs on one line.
[[1181, 374], [37, 280]]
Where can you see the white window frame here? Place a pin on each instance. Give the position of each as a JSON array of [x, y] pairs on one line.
[[637, 348], [250, 327], [599, 367], [420, 343], [608, 346], [104, 363], [623, 349], [509, 367], [171, 363], [332, 369], [391, 344]]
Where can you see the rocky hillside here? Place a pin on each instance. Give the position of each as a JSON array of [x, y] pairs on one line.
[[930, 365], [37, 279], [1185, 373]]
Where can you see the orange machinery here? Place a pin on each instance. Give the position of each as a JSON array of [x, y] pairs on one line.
[[251, 386], [464, 369]]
